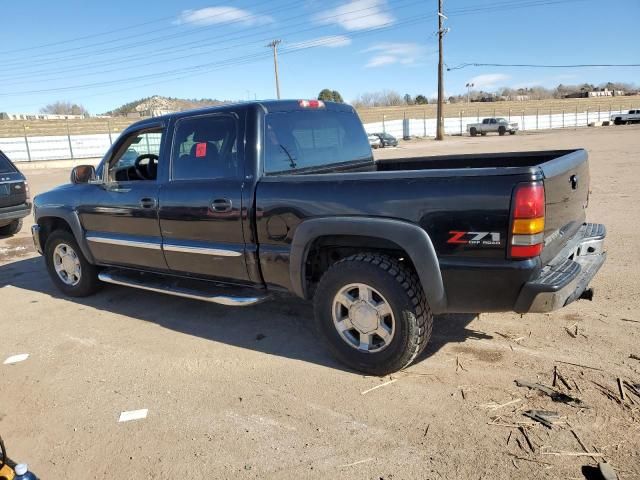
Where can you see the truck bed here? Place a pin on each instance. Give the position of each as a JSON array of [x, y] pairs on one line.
[[440, 194]]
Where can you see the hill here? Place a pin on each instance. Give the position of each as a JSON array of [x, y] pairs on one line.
[[161, 104]]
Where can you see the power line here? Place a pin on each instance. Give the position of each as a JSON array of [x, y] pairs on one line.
[[189, 46], [205, 67], [529, 65]]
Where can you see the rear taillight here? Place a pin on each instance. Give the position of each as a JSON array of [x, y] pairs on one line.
[[311, 103], [527, 222], [26, 189]]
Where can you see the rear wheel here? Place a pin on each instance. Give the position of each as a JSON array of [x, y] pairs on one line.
[[70, 271], [618, 121], [11, 229], [373, 314], [502, 130], [473, 132]]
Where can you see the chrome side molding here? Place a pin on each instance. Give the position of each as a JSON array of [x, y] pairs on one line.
[[124, 243], [218, 252]]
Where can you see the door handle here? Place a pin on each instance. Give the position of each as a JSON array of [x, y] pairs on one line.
[[221, 205], [147, 202]]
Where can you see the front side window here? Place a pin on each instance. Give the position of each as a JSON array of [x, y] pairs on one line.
[[137, 158], [302, 139], [205, 147]]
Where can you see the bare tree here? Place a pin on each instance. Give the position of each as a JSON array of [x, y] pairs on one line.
[[64, 108]]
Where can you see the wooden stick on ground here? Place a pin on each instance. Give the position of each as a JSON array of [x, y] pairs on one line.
[[584, 447], [622, 395], [578, 365]]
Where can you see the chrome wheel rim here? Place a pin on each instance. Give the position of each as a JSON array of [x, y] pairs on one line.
[[67, 264], [363, 318]]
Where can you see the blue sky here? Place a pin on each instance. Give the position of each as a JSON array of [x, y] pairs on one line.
[[103, 54]]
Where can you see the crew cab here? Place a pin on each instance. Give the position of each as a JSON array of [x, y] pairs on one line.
[[496, 125], [632, 116], [15, 203], [237, 203]]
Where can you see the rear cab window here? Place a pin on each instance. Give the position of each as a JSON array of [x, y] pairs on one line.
[[5, 165], [205, 147], [304, 139]]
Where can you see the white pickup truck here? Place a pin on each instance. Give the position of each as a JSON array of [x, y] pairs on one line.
[[632, 116], [499, 125]]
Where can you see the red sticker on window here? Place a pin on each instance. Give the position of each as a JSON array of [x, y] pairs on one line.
[[201, 150]]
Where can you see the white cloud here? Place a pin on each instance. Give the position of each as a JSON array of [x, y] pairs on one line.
[[330, 41], [489, 81], [216, 15], [357, 15], [389, 53]]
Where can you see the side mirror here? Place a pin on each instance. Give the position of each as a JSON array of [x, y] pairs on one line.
[[83, 174]]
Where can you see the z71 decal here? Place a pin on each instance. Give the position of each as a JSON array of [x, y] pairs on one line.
[[474, 238]]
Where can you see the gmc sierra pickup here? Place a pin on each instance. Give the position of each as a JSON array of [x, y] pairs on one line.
[[235, 203]]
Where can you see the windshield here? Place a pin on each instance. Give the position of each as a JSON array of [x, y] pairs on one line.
[[313, 138], [5, 164]]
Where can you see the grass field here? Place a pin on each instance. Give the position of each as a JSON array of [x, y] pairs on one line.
[[32, 128]]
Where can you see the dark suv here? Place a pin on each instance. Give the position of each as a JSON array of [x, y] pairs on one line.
[[14, 197]]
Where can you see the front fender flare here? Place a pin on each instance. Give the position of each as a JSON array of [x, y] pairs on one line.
[[70, 216], [410, 237]]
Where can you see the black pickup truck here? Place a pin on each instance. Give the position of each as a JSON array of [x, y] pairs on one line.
[[14, 197], [236, 203]]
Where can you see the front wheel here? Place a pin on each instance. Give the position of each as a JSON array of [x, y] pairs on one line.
[[70, 271], [512, 132], [11, 229], [372, 312]]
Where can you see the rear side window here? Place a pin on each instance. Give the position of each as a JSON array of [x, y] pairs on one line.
[[5, 164], [205, 147], [313, 138]]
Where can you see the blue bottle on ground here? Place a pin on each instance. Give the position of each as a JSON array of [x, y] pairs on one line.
[[23, 473]]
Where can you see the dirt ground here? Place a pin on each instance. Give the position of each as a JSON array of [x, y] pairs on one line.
[[250, 393]]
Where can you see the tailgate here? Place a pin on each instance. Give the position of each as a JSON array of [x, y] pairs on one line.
[[566, 184]]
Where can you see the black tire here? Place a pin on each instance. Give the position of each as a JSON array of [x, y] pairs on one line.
[[473, 132], [11, 229], [400, 288], [502, 130], [618, 121], [512, 132], [88, 283], [484, 134]]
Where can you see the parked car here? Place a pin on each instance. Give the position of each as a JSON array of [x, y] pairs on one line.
[[250, 200], [496, 125], [15, 203], [374, 141], [632, 116], [387, 140]]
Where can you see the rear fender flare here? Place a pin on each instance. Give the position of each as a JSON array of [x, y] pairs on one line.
[[411, 238]]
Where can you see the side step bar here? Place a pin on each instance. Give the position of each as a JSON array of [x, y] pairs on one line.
[[186, 288]]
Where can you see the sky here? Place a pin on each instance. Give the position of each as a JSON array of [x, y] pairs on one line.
[[104, 54]]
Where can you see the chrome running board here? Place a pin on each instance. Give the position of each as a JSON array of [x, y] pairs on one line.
[[185, 288]]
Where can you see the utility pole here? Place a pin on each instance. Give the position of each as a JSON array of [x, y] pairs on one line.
[[274, 45], [440, 120]]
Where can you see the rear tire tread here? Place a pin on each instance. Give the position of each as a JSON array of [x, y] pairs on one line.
[[410, 283]]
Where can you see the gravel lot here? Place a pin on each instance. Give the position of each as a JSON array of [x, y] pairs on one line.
[[249, 393]]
